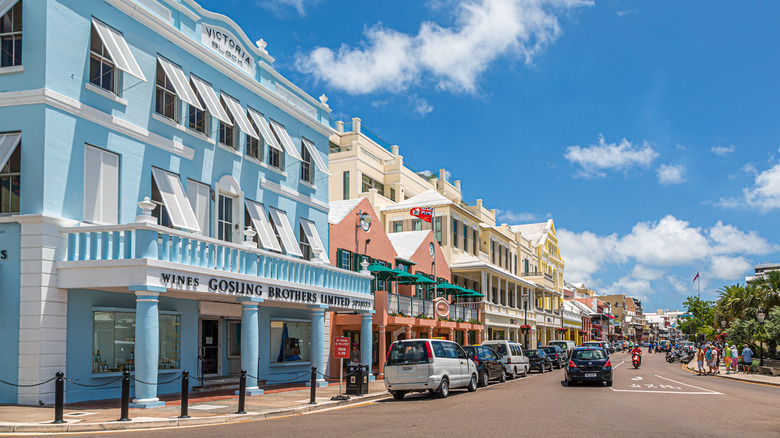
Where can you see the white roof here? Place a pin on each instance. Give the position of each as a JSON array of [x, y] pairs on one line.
[[467, 261], [340, 209], [425, 199], [406, 243], [534, 232]]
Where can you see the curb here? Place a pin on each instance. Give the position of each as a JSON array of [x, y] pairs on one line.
[[689, 369], [39, 428]]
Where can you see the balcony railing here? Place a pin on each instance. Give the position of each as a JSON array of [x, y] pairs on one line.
[[413, 306], [151, 241], [537, 274]]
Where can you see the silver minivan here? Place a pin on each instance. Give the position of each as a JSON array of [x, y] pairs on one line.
[[417, 365], [512, 355]]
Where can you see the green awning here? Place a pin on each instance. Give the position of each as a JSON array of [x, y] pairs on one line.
[[380, 272], [418, 279]]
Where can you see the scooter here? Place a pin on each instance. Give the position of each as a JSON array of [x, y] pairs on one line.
[[636, 360], [670, 357]]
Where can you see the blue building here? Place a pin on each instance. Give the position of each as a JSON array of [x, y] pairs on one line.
[[163, 204]]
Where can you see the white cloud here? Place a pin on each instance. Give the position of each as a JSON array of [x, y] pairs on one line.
[[623, 12], [729, 268], [722, 150], [453, 58], [671, 174], [651, 249], [420, 106], [281, 6], [763, 196], [515, 217], [634, 287], [596, 159]]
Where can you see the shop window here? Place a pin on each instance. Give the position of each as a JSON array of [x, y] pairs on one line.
[[290, 341], [307, 171], [166, 100], [234, 339], [113, 341], [11, 36], [10, 172], [102, 70], [225, 222], [345, 185]]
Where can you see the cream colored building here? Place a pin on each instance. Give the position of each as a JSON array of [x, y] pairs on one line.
[[517, 268]]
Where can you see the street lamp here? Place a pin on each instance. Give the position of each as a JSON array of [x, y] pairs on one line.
[[761, 317]]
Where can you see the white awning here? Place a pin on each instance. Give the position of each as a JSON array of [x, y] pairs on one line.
[[117, 47], [180, 82], [310, 230], [284, 137], [176, 202], [285, 231], [265, 130], [239, 115], [321, 164], [210, 99], [8, 143], [260, 222], [6, 5]]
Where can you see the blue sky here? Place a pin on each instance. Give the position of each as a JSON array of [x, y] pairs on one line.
[[647, 130]]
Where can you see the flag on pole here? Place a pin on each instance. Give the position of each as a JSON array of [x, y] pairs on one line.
[[424, 213], [697, 276]]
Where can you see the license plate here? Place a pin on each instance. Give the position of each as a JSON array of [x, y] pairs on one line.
[[590, 374], [408, 368]]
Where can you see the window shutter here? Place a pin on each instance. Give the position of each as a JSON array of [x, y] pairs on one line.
[[199, 196], [109, 199], [91, 184], [338, 258]]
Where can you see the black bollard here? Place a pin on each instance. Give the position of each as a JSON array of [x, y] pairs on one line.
[[59, 397], [313, 394], [125, 414], [185, 394], [242, 393]]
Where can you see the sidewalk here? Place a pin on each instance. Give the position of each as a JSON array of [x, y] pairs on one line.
[[204, 408], [754, 378]]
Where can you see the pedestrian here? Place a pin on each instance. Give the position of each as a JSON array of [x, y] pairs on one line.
[[700, 360], [354, 355], [734, 358], [708, 358], [727, 358], [715, 363], [747, 359]]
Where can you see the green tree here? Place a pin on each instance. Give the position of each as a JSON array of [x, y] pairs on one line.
[[702, 314]]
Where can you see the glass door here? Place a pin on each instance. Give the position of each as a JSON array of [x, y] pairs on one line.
[[209, 347]]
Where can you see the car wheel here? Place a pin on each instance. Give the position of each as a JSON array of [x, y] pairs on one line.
[[541, 369], [502, 378], [473, 383], [525, 371], [514, 374], [444, 388], [483, 378], [570, 383], [609, 383], [398, 395]]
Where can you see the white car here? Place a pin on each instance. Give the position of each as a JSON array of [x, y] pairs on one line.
[[417, 365], [512, 355]]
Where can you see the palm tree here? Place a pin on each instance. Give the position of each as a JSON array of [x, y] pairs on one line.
[[768, 288]]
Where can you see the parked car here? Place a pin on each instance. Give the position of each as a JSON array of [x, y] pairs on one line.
[[597, 344], [588, 364], [566, 346], [417, 365], [512, 356], [539, 360], [489, 366], [557, 356]]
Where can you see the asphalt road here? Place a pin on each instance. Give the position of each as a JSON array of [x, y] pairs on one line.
[[658, 398]]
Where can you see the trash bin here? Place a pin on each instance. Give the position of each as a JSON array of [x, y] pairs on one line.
[[357, 379]]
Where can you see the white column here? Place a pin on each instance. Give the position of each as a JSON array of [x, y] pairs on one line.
[[250, 342], [318, 343], [366, 342], [147, 346]]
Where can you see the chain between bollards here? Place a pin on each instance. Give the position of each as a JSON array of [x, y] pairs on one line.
[[242, 393], [59, 397], [125, 414], [313, 394], [185, 394]]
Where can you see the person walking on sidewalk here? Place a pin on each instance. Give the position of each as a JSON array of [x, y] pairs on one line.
[[708, 358], [747, 359], [700, 360], [727, 358], [734, 358], [715, 362]]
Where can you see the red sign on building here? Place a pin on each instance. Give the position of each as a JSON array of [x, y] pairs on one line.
[[341, 348]]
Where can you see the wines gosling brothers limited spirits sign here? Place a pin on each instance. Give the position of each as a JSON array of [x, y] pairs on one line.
[[225, 286], [229, 47]]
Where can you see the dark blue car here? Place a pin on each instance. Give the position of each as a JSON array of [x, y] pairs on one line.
[[588, 365]]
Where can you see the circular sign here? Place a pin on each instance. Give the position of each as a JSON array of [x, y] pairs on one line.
[[431, 249], [443, 308]]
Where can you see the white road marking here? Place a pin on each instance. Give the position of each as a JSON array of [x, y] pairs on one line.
[[666, 392], [697, 387], [636, 378], [676, 389]]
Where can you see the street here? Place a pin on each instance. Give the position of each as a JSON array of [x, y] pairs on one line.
[[657, 398]]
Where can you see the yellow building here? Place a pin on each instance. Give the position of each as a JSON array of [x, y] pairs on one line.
[[517, 268]]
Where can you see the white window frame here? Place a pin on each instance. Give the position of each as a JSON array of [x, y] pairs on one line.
[[9, 8]]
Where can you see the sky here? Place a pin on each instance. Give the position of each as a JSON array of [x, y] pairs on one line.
[[648, 131]]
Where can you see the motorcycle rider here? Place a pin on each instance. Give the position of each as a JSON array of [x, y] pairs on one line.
[[636, 351]]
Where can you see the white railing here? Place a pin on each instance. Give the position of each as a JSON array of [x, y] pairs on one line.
[[152, 241]]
